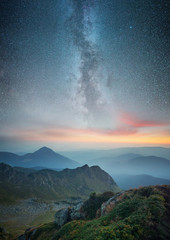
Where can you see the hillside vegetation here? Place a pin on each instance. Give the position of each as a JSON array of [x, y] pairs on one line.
[[137, 214], [52, 185]]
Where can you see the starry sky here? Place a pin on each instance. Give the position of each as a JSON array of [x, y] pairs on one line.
[[78, 74]]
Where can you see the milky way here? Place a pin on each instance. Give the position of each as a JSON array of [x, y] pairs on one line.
[[76, 66]]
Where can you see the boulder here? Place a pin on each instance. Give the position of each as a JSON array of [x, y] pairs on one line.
[[65, 215], [2, 230], [62, 216], [76, 212]]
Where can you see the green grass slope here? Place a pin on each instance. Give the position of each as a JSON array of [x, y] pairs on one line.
[[52, 185], [139, 214]]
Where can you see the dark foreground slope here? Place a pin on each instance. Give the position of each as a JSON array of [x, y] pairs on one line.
[[53, 185], [138, 214]]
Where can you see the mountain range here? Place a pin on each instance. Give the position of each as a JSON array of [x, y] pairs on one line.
[[85, 156], [134, 164], [53, 185], [42, 158], [126, 181], [126, 168]]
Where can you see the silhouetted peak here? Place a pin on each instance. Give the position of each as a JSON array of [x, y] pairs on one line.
[[44, 150], [85, 166]]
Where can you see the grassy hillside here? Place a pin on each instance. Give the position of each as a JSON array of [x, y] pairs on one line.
[[53, 185], [138, 214]]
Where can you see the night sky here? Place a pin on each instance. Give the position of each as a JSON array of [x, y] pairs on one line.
[[84, 74]]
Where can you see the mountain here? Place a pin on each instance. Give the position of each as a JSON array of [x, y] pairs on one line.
[[107, 161], [86, 155], [135, 181], [135, 214], [9, 158], [44, 157], [50, 184], [151, 165], [135, 164]]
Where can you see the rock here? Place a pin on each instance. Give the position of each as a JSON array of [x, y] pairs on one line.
[[22, 237], [2, 230], [65, 215], [98, 213], [76, 212], [62, 216], [107, 206]]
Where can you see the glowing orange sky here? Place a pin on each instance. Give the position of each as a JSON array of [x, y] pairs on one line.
[[130, 131], [140, 134]]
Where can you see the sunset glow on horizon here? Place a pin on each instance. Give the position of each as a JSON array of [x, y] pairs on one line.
[[130, 131]]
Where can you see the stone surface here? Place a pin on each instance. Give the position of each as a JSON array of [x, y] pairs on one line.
[[62, 216], [76, 212], [107, 206], [2, 230], [68, 214]]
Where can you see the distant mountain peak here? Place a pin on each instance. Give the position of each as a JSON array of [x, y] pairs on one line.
[[85, 166], [45, 151], [44, 157]]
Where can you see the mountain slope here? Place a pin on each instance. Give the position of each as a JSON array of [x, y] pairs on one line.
[[86, 155], [135, 181], [44, 157], [49, 184], [9, 158], [138, 214], [109, 161], [150, 165]]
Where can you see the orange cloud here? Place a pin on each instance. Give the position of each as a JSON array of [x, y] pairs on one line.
[[124, 135], [135, 122]]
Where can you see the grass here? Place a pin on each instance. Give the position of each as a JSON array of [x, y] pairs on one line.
[[44, 218], [16, 228]]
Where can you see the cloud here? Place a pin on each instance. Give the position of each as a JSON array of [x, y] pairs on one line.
[[68, 134], [135, 122], [122, 135]]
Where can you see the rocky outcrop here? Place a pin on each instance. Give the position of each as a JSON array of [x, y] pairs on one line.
[[76, 212], [2, 230], [107, 206], [87, 209], [62, 216], [65, 215]]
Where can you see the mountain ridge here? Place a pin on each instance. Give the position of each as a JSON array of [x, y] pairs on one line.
[[53, 185], [44, 157], [138, 164], [84, 155]]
